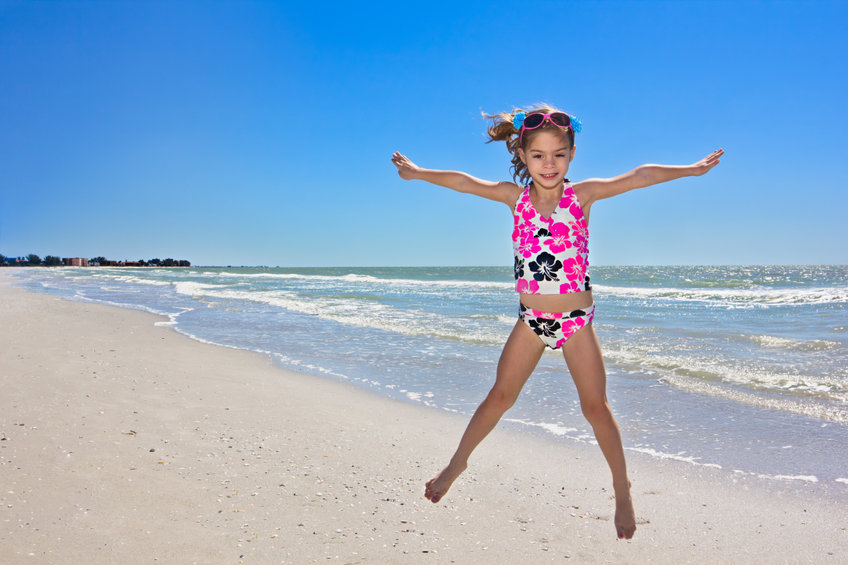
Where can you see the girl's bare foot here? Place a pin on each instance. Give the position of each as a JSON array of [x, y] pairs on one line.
[[625, 516], [439, 485]]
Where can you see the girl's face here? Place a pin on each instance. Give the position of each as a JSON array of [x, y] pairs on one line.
[[547, 157]]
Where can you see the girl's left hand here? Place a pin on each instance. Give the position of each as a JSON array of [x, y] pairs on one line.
[[406, 168], [704, 165]]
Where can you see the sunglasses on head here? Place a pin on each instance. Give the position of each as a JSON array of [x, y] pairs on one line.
[[536, 119]]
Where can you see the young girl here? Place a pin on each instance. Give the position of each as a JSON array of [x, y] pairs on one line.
[[550, 242]]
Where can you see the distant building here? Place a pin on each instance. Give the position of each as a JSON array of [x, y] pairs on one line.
[[75, 262], [15, 261]]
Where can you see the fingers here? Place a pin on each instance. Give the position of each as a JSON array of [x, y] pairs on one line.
[[399, 160], [405, 168], [715, 156], [707, 163]]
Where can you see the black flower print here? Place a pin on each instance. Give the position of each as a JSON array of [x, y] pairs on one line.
[[547, 328], [543, 232], [545, 267], [519, 268]]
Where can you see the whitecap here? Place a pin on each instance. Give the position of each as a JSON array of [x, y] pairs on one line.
[[673, 456]]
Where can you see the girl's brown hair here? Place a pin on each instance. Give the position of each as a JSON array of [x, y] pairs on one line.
[[503, 130]]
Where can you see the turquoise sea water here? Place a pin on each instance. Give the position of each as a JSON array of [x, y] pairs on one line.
[[742, 368]]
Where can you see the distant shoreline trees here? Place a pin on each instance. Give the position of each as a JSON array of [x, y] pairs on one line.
[[33, 260]]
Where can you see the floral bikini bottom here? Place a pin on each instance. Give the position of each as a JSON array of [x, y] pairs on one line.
[[554, 328]]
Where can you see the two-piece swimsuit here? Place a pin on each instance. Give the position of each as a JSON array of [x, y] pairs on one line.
[[552, 257]]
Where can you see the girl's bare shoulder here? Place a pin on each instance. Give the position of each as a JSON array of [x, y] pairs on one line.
[[583, 189], [509, 192]]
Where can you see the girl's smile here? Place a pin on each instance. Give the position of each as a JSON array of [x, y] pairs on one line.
[[547, 157]]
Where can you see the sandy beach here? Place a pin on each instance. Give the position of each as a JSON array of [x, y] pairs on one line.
[[122, 441]]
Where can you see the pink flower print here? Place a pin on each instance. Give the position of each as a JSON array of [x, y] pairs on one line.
[[570, 326], [559, 240], [579, 228], [522, 232], [527, 287], [574, 208], [568, 288], [572, 204], [529, 246], [525, 208], [575, 269], [581, 235]]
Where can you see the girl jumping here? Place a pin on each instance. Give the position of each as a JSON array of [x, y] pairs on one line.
[[550, 240]]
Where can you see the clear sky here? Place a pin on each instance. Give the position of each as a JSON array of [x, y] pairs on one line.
[[260, 133]]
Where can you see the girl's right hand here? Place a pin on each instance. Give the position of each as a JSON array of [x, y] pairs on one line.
[[406, 168], [505, 192]]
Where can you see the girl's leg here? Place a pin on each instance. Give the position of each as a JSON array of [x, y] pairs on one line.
[[520, 356], [583, 356]]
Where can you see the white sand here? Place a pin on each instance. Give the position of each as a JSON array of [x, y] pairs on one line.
[[124, 442]]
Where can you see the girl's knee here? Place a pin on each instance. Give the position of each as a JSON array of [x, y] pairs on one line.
[[597, 412], [502, 398]]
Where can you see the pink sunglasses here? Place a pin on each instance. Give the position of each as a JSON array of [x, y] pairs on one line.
[[536, 119]]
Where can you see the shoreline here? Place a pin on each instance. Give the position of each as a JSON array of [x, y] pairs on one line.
[[126, 441], [783, 436]]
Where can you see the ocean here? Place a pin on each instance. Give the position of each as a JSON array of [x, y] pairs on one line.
[[740, 368]]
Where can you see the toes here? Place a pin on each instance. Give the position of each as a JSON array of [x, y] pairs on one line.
[[626, 533]]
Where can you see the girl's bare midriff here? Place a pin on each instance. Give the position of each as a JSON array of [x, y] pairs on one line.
[[558, 302]]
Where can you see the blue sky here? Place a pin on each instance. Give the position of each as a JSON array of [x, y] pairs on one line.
[[259, 133]]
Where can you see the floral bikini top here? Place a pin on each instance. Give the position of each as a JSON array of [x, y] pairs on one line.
[[551, 254]]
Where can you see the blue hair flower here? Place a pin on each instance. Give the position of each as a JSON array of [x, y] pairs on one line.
[[518, 120], [576, 125]]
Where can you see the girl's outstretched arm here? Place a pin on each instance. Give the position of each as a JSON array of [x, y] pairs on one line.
[[505, 192], [646, 175]]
